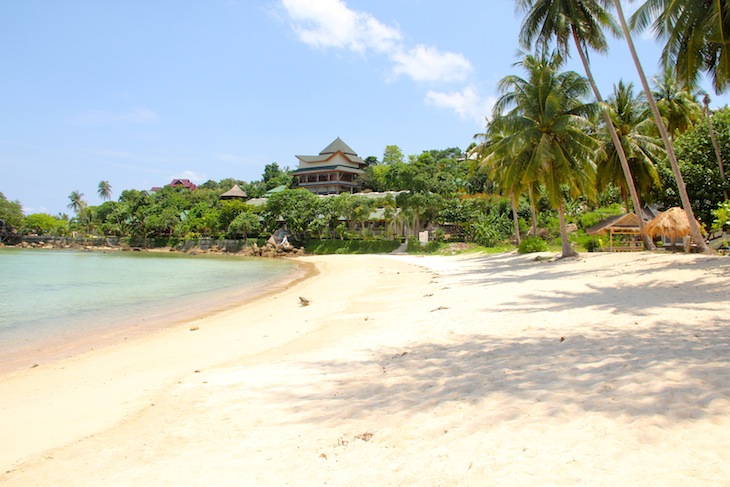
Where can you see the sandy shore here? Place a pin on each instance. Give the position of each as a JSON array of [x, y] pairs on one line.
[[612, 369]]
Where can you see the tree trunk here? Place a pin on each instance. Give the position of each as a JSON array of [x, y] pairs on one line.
[[696, 232], [533, 211], [515, 218], [565, 240], [718, 155], [648, 243]]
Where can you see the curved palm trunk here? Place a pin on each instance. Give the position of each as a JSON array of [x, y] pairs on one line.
[[515, 218], [564, 239], [648, 243], [696, 232], [533, 211], [718, 155]]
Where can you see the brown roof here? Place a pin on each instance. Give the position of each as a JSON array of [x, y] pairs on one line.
[[626, 223], [185, 183], [234, 193], [672, 223]]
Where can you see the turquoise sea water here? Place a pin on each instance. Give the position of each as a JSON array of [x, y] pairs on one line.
[[49, 296]]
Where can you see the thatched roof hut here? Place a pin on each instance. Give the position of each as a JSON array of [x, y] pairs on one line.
[[672, 223], [626, 225], [235, 193]]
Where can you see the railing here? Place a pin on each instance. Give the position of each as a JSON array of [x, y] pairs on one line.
[[628, 247]]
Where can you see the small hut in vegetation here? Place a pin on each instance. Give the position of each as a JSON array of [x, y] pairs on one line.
[[672, 225], [623, 233], [235, 193]]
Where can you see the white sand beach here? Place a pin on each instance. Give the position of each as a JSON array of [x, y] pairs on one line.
[[609, 369]]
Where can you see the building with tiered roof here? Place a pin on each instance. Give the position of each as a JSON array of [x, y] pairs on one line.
[[335, 170]]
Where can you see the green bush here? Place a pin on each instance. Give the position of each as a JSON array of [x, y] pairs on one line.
[[43, 224], [590, 218], [589, 243], [438, 235], [492, 230], [532, 244], [415, 247], [721, 223]]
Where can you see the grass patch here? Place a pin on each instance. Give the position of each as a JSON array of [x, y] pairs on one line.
[[456, 248], [327, 247]]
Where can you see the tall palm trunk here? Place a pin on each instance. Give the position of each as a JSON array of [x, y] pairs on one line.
[[684, 197], [718, 155], [515, 218], [564, 239], [648, 243], [533, 211]]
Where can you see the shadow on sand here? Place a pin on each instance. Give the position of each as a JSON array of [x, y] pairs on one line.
[[670, 370], [673, 372]]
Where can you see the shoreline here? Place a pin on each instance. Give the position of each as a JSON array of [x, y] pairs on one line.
[[46, 406], [203, 245], [50, 349], [405, 370]]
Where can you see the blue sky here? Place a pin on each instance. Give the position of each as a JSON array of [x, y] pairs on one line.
[[139, 92]]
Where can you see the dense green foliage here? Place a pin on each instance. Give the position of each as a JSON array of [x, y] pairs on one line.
[[43, 224], [11, 214], [699, 167]]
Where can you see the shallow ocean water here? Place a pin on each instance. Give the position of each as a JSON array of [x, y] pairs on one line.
[[55, 296]]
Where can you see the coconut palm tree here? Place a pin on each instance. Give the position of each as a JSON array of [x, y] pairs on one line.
[[547, 125], [581, 21], [671, 156], [105, 190], [506, 169], [642, 149], [678, 106], [77, 202], [697, 35]]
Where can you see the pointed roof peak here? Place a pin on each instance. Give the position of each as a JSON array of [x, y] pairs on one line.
[[234, 192], [338, 145]]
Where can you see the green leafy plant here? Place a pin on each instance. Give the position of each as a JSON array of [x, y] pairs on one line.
[[721, 222], [532, 244], [492, 230]]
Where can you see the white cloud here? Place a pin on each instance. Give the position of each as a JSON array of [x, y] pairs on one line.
[[467, 103], [100, 117], [30, 210], [424, 63], [191, 175], [330, 23]]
